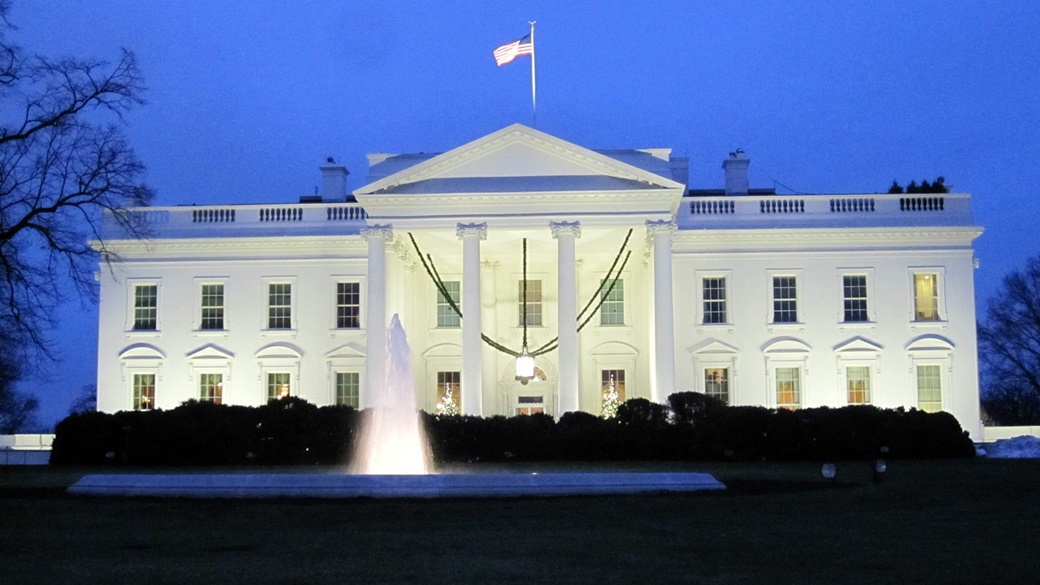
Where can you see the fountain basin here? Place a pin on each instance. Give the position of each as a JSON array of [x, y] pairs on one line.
[[461, 485]]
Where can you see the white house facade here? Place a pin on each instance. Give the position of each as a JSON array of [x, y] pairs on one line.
[[633, 281]]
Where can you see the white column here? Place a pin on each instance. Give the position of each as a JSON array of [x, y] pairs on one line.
[[377, 237], [664, 328], [567, 295], [472, 373]]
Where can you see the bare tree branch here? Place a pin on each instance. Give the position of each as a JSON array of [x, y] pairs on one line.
[[65, 164]]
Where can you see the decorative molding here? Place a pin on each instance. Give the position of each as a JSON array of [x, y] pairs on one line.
[[465, 230], [384, 232], [565, 228], [660, 227]]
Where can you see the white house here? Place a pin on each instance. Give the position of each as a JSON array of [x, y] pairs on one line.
[[757, 298]]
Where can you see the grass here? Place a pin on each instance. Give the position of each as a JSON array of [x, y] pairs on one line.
[[962, 521]]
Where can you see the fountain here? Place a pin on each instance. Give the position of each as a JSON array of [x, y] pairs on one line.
[[391, 459], [391, 440]]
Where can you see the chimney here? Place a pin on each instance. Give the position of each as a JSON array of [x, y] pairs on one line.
[[333, 181], [736, 173]]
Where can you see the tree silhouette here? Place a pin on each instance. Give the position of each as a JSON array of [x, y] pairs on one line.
[[64, 160], [1009, 340]]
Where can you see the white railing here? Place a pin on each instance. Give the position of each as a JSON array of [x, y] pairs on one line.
[[229, 220], [800, 210]]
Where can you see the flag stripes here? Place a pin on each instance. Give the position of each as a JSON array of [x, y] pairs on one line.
[[506, 53]]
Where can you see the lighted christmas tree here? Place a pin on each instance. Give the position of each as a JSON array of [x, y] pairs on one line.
[[610, 401], [447, 406]]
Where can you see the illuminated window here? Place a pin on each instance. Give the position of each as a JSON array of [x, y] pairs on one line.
[[788, 387], [857, 381], [785, 299], [211, 388], [144, 391], [446, 315], [716, 383], [714, 299], [278, 385], [528, 405], [348, 305], [534, 303], [929, 388], [449, 383], [212, 305], [146, 307], [926, 296], [612, 311], [855, 293], [348, 387], [615, 378], [279, 305]]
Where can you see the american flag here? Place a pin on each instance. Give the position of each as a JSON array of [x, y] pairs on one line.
[[506, 53]]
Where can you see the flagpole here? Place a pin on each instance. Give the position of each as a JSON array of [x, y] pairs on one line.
[[534, 82]]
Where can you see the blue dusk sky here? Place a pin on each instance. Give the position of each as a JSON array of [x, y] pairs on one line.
[[247, 98]]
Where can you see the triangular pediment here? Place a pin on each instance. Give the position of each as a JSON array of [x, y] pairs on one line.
[[347, 350], [520, 175], [519, 158], [857, 345], [210, 351], [713, 346]]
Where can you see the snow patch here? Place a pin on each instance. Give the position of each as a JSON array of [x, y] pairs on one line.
[[1024, 447]]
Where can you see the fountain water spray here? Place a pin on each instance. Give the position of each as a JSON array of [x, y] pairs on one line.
[[391, 439]]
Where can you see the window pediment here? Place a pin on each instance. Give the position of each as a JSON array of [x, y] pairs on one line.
[[786, 345], [444, 350], [713, 346], [614, 348], [930, 342], [857, 345], [279, 350], [210, 351], [347, 350], [141, 351]]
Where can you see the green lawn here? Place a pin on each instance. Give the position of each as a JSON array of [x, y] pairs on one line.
[[964, 521]]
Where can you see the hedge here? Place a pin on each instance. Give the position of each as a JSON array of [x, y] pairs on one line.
[[692, 427]]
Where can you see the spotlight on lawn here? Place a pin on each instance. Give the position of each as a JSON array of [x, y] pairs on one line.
[[829, 471], [880, 467]]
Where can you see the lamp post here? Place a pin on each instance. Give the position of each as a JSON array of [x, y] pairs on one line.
[[524, 361]]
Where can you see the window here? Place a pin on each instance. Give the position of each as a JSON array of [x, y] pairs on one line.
[[348, 386], [279, 305], [929, 388], [146, 307], [788, 387], [348, 305], [528, 405], [212, 304], [615, 378], [785, 299], [211, 388], [857, 381], [144, 391], [926, 296], [612, 311], [277, 385], [446, 316], [855, 298], [716, 383], [534, 303], [449, 389], [713, 292]]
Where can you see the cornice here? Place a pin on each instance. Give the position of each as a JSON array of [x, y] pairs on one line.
[[837, 237]]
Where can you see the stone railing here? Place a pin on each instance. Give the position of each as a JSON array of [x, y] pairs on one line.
[[242, 220], [812, 210]]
